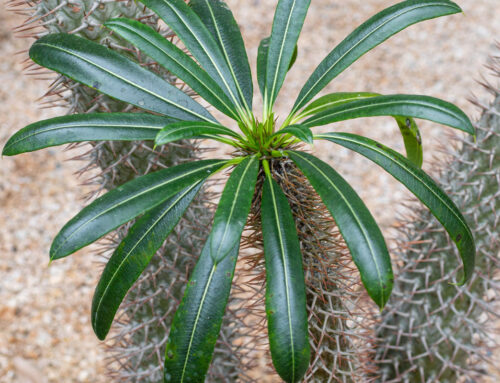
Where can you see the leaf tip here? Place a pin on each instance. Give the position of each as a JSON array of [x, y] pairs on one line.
[[456, 7], [159, 140], [470, 127], [385, 293], [6, 151], [100, 334], [55, 253], [467, 274], [457, 284], [100, 328], [381, 301]]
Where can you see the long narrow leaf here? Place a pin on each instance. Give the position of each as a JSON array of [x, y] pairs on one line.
[[108, 72], [285, 286], [412, 140], [190, 29], [133, 255], [198, 319], [220, 21], [287, 24], [407, 126], [191, 129], [367, 36], [420, 184], [85, 127], [262, 64], [126, 202], [234, 207], [427, 108], [172, 58], [294, 57], [302, 132], [356, 224], [332, 100]]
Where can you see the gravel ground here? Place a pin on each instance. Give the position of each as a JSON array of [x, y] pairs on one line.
[[45, 334], [45, 331]]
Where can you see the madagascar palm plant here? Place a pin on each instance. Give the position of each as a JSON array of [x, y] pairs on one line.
[[218, 71]]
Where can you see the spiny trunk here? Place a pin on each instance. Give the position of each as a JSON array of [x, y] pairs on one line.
[[339, 330], [137, 342], [431, 330]]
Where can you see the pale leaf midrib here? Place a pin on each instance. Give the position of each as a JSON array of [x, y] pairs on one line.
[[408, 170], [201, 82], [107, 126], [311, 88], [285, 270], [358, 222], [226, 55], [198, 314], [148, 190], [216, 67], [234, 199], [71, 53], [348, 109], [280, 57], [111, 280]]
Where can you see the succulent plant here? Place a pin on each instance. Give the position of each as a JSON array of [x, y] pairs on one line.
[[84, 18], [221, 75], [139, 335], [340, 329], [437, 332]]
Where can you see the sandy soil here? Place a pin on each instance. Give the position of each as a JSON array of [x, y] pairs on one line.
[[45, 334], [45, 331]]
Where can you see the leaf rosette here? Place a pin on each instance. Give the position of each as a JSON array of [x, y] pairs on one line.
[[217, 69]]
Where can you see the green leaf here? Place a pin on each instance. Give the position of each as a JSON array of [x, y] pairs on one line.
[[174, 60], [108, 72], [198, 319], [191, 129], [287, 24], [285, 286], [220, 21], [367, 36], [427, 108], [126, 202], [407, 126], [133, 255], [302, 132], [262, 63], [85, 127], [356, 224], [332, 100], [412, 140], [190, 29], [234, 207], [420, 184], [294, 57]]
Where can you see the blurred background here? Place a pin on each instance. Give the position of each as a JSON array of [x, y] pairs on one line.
[[45, 332]]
